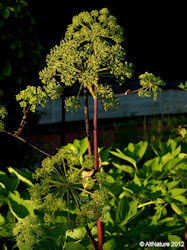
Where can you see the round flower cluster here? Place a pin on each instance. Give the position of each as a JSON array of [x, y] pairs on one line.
[[150, 85], [91, 47]]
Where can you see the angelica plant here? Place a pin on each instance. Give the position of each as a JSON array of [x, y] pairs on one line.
[[92, 48]]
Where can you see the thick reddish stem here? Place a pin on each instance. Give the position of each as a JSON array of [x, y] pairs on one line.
[[100, 231], [95, 132], [100, 234], [87, 125]]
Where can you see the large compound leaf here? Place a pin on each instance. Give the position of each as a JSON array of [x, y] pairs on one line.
[[133, 153], [10, 183], [22, 176], [121, 155], [19, 207], [136, 151]]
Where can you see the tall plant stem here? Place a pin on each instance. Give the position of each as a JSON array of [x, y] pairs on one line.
[[100, 231], [91, 237], [87, 125], [95, 133]]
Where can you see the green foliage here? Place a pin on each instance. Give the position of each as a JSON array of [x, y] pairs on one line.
[[150, 199], [14, 203], [150, 84], [58, 197], [132, 154]]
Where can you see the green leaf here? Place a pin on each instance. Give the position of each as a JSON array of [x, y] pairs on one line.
[[171, 164], [137, 181], [127, 192], [151, 169], [2, 220], [71, 147], [172, 184], [121, 155], [73, 246], [22, 176], [122, 210], [3, 190], [174, 239], [136, 151], [104, 155], [80, 146], [76, 234], [83, 145], [169, 148], [177, 150], [19, 207], [109, 245], [167, 157], [10, 183], [182, 155], [177, 191], [177, 209], [6, 230], [125, 211], [180, 198], [123, 167], [132, 212]]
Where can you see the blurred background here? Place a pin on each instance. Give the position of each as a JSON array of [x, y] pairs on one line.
[[155, 41]]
